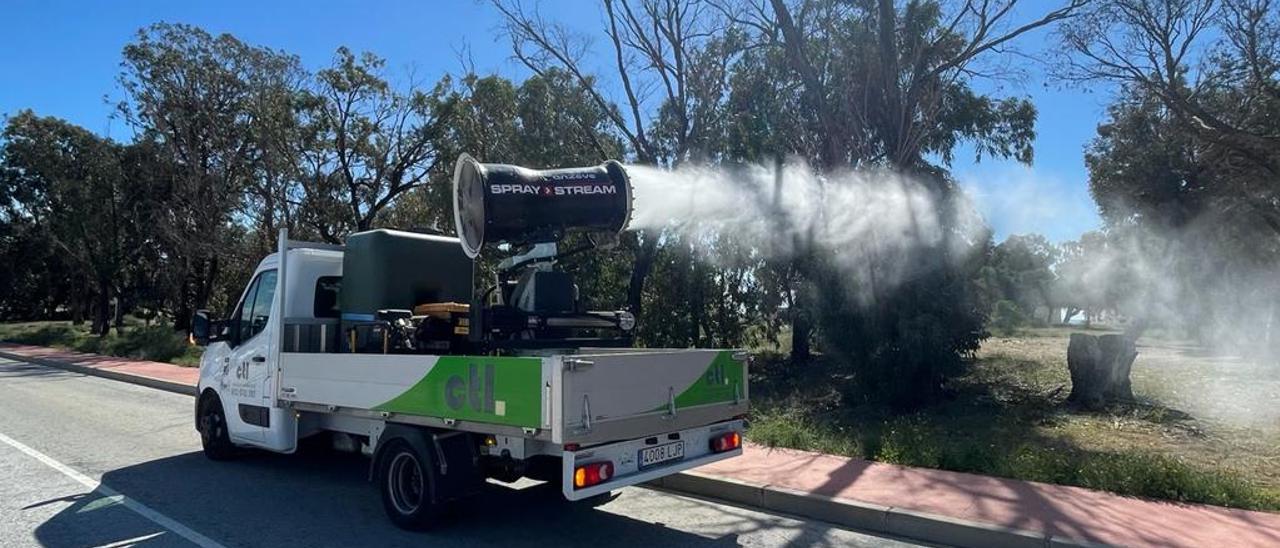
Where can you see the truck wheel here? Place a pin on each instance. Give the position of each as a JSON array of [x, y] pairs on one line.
[[212, 424], [407, 480]]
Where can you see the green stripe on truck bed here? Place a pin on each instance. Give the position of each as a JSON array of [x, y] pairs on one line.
[[497, 390]]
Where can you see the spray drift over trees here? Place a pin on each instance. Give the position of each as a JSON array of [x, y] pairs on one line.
[[1186, 170], [864, 250]]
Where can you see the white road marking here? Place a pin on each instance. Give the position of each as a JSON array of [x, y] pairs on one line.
[[131, 541], [94, 485]]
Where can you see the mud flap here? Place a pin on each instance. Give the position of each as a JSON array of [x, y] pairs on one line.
[[452, 456], [458, 459]]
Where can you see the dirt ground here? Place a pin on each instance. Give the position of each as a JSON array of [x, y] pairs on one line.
[[1209, 410]]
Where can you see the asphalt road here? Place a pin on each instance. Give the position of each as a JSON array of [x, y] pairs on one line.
[[94, 462]]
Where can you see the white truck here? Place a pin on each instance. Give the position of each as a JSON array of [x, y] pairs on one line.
[[383, 346]]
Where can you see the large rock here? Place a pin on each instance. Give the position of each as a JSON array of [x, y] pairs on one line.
[[1100, 367]]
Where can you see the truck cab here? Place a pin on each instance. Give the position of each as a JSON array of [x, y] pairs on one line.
[[240, 362]]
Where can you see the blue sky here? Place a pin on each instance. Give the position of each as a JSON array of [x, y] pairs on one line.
[[61, 59]]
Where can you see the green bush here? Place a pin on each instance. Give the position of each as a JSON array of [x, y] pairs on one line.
[[899, 347], [156, 343], [51, 335]]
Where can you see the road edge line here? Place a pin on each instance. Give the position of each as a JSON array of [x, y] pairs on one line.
[[131, 378], [139, 508]]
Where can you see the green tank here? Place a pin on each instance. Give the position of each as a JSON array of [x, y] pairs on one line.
[[389, 269]]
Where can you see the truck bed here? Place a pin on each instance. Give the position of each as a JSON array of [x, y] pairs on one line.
[[591, 397], [612, 395]]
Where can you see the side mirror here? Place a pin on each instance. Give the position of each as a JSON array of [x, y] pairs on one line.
[[201, 327]]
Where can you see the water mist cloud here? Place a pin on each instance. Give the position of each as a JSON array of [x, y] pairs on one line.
[[876, 227]]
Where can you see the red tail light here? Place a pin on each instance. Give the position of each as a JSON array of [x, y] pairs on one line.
[[592, 474], [726, 442]]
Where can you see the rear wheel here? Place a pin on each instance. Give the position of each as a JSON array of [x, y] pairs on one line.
[[407, 480], [212, 425]]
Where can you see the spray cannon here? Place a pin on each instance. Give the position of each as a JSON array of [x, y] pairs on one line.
[[531, 304], [499, 203]]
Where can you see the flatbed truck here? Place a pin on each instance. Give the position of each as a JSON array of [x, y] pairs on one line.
[[444, 395]]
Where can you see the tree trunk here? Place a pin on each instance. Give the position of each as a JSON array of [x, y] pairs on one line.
[[801, 332], [182, 316], [102, 310], [201, 281], [696, 301], [1100, 367], [801, 324], [77, 310], [801, 327], [119, 314], [206, 288], [640, 272], [77, 303]]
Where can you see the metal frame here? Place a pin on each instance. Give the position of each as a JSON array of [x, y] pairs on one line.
[[417, 420]]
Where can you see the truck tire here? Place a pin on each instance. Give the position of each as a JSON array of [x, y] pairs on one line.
[[212, 425], [407, 479]]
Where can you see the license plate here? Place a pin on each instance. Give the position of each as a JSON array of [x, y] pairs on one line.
[[650, 456]]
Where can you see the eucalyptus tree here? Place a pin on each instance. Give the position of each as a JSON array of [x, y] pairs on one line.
[[1187, 160], [194, 95], [659, 52], [877, 84], [367, 143], [70, 183]]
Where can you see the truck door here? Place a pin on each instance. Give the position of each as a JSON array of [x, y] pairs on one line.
[[248, 368]]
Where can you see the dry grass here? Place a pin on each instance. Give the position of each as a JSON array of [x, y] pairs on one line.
[[1202, 430], [1214, 412]]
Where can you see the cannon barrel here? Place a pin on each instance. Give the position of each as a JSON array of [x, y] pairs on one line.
[[496, 203]]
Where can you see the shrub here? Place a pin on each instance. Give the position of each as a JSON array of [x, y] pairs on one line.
[[901, 350], [50, 335], [156, 343]]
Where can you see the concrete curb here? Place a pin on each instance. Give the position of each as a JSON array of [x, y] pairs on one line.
[[900, 522], [863, 516], [150, 382]]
